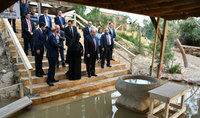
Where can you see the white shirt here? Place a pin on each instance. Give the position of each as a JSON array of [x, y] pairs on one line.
[[28, 25], [46, 21]]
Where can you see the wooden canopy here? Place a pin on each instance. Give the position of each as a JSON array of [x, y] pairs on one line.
[[167, 9]]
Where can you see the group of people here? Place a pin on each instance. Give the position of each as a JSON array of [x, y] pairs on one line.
[[97, 46]]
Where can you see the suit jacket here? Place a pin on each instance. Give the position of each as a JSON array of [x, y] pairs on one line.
[[104, 42], [42, 19], [38, 40], [90, 46], [58, 22], [52, 51], [23, 8], [25, 33], [86, 32], [112, 34], [68, 34], [62, 38]]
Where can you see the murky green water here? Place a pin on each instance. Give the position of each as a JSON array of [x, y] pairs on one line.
[[103, 106], [138, 81]]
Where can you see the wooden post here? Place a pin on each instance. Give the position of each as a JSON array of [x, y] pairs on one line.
[[139, 27], [163, 40], [155, 43], [74, 19]]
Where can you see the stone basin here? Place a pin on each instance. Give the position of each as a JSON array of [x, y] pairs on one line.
[[134, 91]]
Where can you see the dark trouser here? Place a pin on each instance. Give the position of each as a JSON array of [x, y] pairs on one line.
[[111, 53], [13, 23], [62, 57], [38, 63], [26, 42], [100, 52], [51, 71], [90, 64], [106, 55]]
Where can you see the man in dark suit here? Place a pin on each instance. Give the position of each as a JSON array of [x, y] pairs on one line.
[[87, 29], [107, 47], [27, 33], [91, 52], [38, 46], [70, 32], [113, 34], [24, 9], [59, 20], [60, 37], [52, 55], [47, 20], [86, 32]]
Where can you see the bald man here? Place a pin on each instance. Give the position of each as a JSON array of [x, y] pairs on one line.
[[60, 37], [107, 46], [91, 52]]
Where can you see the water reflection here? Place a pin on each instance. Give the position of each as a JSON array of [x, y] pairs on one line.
[[138, 81], [103, 106]]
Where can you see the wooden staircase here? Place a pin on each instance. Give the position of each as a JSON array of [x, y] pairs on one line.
[[65, 88]]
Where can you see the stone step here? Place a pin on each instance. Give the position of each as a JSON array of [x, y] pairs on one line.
[[104, 74], [23, 72], [20, 65], [58, 75], [77, 97], [71, 91]]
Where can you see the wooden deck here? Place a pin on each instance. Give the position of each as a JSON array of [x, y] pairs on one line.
[[14, 107]]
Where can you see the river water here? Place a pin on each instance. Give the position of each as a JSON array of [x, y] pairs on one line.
[[103, 106]]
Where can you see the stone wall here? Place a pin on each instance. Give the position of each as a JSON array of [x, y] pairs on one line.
[[192, 50], [8, 75]]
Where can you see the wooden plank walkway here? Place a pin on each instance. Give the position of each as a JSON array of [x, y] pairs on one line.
[[14, 107]]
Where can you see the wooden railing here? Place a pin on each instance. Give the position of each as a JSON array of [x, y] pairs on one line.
[[19, 50], [131, 56]]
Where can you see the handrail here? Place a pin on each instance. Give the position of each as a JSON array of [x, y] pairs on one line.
[[131, 55], [19, 50]]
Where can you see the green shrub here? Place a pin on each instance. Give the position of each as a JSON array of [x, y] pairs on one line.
[[174, 69]]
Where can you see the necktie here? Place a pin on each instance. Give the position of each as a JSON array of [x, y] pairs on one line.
[[95, 44], [108, 40], [29, 26], [61, 21]]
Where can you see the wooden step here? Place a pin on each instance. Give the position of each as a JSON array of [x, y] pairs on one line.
[[44, 62], [71, 91], [77, 97], [111, 72], [58, 75], [23, 72]]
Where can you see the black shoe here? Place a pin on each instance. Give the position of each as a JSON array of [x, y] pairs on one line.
[[94, 75], [39, 75], [44, 74], [50, 84], [109, 66], [16, 31], [102, 66], [89, 76], [57, 66], [112, 59], [63, 65], [55, 80]]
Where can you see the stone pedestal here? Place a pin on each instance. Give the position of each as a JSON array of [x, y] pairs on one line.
[[135, 96]]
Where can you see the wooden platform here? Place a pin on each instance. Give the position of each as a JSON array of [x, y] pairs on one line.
[[14, 107], [167, 93]]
